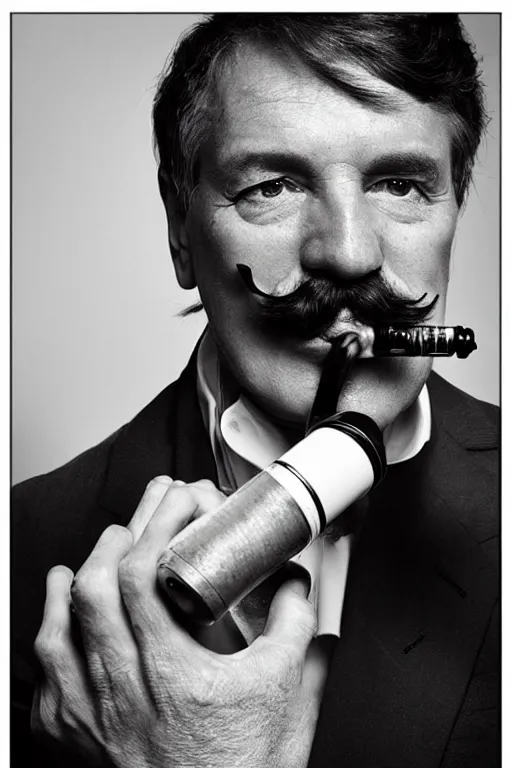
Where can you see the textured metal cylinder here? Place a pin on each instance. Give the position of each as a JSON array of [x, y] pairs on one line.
[[219, 558]]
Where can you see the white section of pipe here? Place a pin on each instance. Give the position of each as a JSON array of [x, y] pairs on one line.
[[335, 465]]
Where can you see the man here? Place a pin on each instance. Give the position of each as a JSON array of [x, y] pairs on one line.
[[330, 155]]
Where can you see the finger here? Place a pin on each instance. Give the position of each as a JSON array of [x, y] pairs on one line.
[[62, 698], [43, 713], [179, 505], [53, 646], [292, 619], [107, 637], [56, 615], [176, 509], [210, 488], [153, 495], [55, 630], [207, 496], [149, 615], [65, 714]]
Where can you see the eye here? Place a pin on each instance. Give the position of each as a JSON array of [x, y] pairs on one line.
[[396, 187], [399, 187], [270, 201], [266, 190], [272, 188]]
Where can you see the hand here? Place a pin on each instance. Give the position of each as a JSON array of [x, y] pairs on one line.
[[144, 693]]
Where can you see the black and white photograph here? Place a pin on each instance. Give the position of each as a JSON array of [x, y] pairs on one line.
[[255, 514]]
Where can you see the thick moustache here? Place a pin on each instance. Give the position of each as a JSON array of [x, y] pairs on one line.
[[321, 308]]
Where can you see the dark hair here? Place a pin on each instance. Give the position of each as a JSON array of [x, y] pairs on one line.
[[427, 55]]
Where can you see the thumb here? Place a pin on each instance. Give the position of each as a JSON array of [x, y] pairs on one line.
[[292, 618]]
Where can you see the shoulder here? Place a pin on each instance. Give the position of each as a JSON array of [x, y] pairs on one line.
[[464, 460], [474, 424], [80, 478], [81, 475], [68, 500]]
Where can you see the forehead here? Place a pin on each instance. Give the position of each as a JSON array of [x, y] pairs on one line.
[[266, 97]]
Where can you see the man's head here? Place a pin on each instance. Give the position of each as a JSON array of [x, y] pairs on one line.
[[331, 149]]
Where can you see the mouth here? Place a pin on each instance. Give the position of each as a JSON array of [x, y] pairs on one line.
[[316, 348], [344, 326]]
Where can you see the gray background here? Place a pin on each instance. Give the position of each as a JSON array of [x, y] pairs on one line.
[[95, 336]]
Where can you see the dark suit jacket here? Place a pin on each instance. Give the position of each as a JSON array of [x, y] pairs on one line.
[[413, 680]]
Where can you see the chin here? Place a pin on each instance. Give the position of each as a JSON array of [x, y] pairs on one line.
[[286, 398], [381, 389]]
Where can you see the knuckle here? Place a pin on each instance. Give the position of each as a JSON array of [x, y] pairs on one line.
[[89, 585], [208, 485], [184, 499], [155, 486], [131, 573], [44, 650], [48, 647], [183, 492], [117, 533]]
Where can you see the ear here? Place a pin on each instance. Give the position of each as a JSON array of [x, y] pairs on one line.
[[177, 233]]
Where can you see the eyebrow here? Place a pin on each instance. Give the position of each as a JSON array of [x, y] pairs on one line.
[[391, 163], [406, 163], [241, 162]]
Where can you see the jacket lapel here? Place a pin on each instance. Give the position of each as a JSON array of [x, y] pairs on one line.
[[419, 598], [166, 438]]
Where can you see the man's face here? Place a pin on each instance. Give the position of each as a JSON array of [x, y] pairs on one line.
[[298, 179]]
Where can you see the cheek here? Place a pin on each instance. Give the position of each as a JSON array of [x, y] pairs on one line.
[[418, 257], [220, 239]]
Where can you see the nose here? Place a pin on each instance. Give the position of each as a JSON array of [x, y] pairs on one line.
[[341, 236]]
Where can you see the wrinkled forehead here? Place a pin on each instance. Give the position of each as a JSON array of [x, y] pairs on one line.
[[263, 94], [254, 68]]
